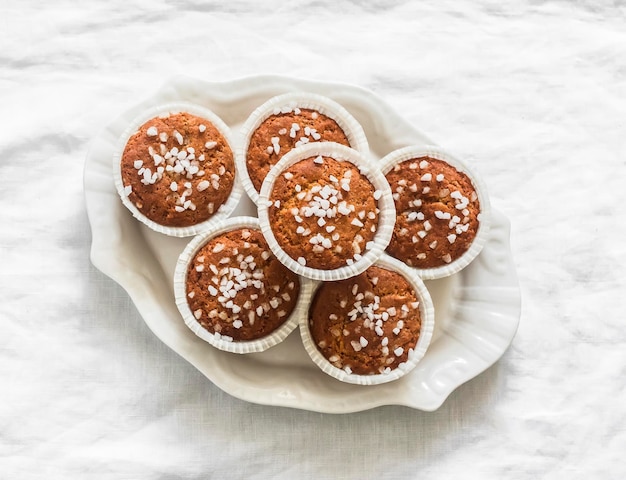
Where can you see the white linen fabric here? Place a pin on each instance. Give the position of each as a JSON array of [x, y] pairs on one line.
[[532, 92]]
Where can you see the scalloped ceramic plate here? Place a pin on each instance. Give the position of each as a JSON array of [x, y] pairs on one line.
[[477, 310]]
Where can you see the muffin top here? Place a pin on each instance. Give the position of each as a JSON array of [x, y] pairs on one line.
[[237, 289], [368, 324], [177, 169], [437, 212], [284, 130], [323, 212]]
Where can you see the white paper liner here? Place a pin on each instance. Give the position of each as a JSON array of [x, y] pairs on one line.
[[484, 218], [222, 212], [324, 105], [386, 206], [427, 312], [180, 293]]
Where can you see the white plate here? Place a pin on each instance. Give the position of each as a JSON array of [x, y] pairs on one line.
[[477, 310]]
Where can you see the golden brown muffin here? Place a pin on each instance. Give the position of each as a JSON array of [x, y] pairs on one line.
[[238, 289], [178, 169], [283, 131], [437, 212], [367, 324], [323, 212]]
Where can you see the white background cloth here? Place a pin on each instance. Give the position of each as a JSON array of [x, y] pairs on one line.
[[531, 92]]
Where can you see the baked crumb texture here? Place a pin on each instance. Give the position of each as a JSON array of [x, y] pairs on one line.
[[368, 324], [323, 212], [284, 130], [437, 211], [237, 289], [178, 170]]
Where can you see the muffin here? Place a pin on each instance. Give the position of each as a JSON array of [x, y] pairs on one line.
[[371, 328], [289, 121], [326, 212], [233, 292], [176, 170], [440, 211]]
